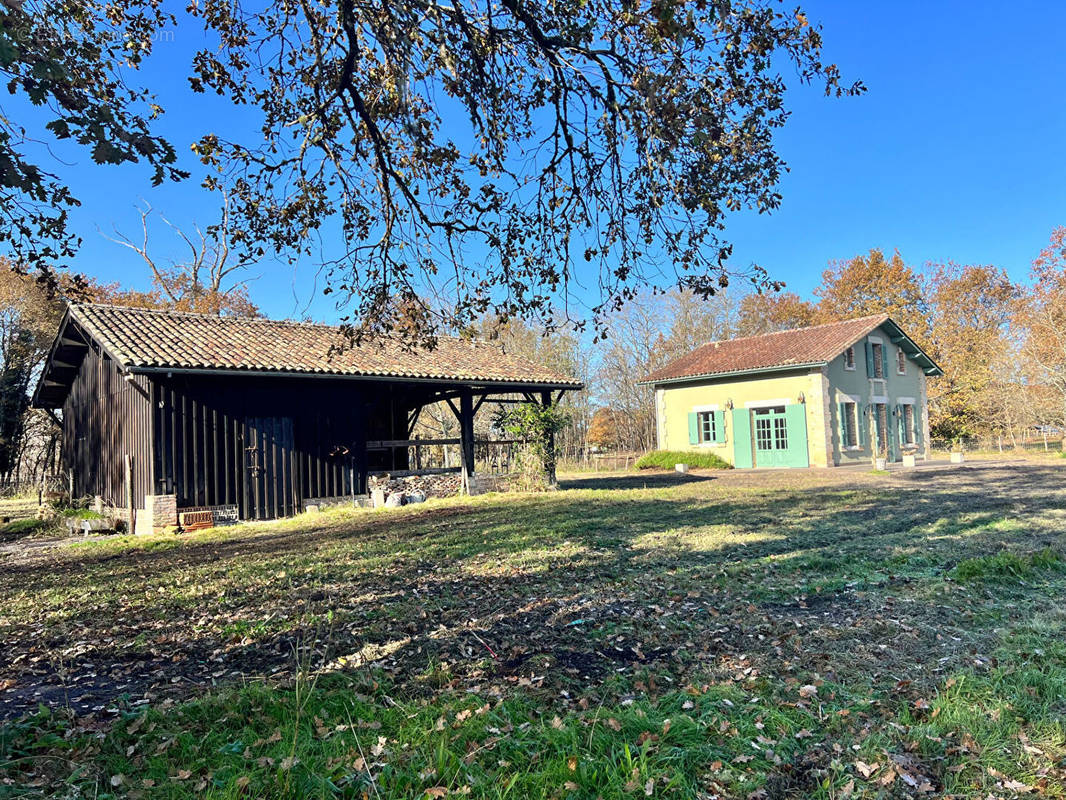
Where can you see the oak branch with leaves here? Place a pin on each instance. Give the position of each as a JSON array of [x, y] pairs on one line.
[[447, 160]]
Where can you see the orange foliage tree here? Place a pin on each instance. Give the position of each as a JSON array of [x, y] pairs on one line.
[[970, 312], [1042, 319], [767, 313], [873, 284]]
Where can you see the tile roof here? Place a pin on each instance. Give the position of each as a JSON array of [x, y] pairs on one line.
[[797, 347], [143, 338]]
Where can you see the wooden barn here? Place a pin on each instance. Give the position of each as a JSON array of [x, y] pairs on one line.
[[252, 418]]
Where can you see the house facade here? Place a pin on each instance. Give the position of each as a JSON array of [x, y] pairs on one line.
[[823, 396]]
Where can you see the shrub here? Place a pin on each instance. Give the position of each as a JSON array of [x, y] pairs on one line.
[[666, 459], [537, 427]]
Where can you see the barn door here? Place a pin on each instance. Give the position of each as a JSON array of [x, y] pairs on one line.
[[268, 468]]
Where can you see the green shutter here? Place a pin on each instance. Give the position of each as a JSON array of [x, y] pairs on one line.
[[796, 425], [884, 361], [719, 427], [869, 359], [860, 423], [842, 418], [693, 428], [916, 413], [901, 424], [742, 438]]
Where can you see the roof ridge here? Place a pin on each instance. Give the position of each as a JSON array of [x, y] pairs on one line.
[[796, 330], [243, 320]]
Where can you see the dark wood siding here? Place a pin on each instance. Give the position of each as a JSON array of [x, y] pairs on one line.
[[105, 417], [267, 444]]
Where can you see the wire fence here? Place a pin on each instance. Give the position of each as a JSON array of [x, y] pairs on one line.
[[1039, 443]]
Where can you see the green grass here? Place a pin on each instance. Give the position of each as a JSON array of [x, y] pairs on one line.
[[666, 459], [18, 528], [778, 636], [1008, 566]]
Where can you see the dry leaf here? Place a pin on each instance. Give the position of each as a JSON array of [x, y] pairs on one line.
[[866, 770]]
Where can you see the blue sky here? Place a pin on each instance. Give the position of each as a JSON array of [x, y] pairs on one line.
[[955, 152]]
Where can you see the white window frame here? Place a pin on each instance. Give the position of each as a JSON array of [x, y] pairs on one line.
[[781, 401], [901, 361], [708, 408], [850, 350]]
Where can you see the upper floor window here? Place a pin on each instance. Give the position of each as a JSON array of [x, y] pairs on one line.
[[849, 358], [879, 362], [901, 362]]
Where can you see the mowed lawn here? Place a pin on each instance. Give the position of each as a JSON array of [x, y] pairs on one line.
[[766, 635]]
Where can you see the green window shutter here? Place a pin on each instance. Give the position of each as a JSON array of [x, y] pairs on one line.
[[719, 427], [842, 419], [869, 359], [917, 414], [884, 361], [742, 438], [860, 411], [693, 428]]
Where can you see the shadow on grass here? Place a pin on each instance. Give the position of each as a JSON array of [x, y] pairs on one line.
[[580, 585]]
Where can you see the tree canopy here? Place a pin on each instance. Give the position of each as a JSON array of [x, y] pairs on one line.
[[458, 159]]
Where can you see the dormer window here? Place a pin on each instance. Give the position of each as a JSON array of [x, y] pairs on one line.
[[849, 358]]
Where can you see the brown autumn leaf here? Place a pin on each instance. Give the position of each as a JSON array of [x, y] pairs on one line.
[[866, 770]]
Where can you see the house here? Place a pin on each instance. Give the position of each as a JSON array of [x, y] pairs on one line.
[[245, 418], [823, 396]]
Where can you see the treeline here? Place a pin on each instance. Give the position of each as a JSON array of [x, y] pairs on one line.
[[1002, 344]]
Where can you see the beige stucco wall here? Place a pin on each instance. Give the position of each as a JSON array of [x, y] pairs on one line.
[[674, 403]]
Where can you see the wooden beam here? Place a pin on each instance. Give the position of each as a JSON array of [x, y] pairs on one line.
[[549, 458], [412, 419], [466, 434], [381, 444]]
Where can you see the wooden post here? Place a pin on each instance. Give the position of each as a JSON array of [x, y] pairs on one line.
[[466, 435], [549, 446], [129, 494]]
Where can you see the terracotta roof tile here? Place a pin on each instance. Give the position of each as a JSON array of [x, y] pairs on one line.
[[798, 347], [150, 338]]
